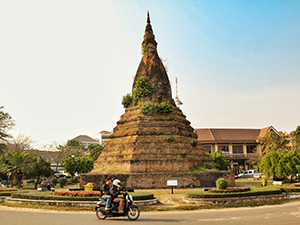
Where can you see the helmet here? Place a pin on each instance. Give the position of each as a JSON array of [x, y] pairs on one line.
[[117, 182]]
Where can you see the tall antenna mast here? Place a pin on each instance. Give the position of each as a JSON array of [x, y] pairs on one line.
[[178, 102]]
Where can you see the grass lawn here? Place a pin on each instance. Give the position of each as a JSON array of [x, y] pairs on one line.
[[167, 201]]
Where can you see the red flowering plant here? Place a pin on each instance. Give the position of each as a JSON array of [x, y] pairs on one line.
[[8, 189], [77, 193]]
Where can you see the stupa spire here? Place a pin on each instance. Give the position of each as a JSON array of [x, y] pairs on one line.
[[149, 38]]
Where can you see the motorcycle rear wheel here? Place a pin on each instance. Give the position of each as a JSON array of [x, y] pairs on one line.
[[133, 213], [99, 214]]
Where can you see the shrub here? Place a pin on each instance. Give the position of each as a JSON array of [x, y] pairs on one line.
[[165, 107], [62, 182], [54, 181], [194, 143], [145, 48], [169, 139], [127, 100], [149, 108], [257, 192], [142, 89], [196, 168], [290, 189], [221, 183], [74, 180], [230, 190]]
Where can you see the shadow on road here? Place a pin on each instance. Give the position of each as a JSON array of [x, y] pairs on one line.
[[151, 220]]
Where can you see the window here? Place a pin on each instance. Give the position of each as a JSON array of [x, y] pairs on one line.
[[237, 149], [251, 148], [207, 148], [223, 149]]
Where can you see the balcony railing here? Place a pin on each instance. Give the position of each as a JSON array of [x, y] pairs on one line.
[[239, 155]]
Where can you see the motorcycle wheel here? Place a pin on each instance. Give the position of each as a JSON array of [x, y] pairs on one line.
[[99, 214], [133, 213]]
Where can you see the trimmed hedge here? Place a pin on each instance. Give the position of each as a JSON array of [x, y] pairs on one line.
[[230, 190], [136, 197], [232, 195], [290, 189], [5, 193]]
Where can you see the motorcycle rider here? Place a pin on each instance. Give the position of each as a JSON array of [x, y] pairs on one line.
[[115, 191], [106, 194]]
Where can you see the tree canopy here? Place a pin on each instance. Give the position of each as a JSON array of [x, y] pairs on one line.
[[6, 123], [17, 164], [282, 154]]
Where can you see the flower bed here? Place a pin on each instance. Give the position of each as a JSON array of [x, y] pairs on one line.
[[77, 193], [8, 189], [296, 184]]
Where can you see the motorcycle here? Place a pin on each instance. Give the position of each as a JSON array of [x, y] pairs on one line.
[[130, 210]]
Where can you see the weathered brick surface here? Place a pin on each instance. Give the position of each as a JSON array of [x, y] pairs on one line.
[[159, 180]]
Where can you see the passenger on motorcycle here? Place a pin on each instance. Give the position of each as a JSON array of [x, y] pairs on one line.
[[106, 194], [115, 191]]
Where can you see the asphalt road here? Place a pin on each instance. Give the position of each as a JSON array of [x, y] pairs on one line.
[[288, 214]]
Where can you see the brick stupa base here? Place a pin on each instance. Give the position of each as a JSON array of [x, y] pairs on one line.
[[159, 180]]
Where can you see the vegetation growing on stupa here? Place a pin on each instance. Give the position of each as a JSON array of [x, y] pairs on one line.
[[145, 48], [150, 108], [144, 88]]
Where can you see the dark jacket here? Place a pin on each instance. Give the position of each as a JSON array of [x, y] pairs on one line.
[[114, 191], [105, 189]]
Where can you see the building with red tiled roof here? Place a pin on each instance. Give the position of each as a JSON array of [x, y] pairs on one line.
[[86, 140], [237, 145]]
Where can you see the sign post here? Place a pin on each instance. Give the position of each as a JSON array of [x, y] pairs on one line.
[[172, 183]]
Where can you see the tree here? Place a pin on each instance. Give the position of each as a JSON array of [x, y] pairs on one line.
[[20, 143], [17, 164], [273, 141], [219, 160], [268, 163], [71, 148], [295, 139], [280, 164], [40, 168], [281, 154], [84, 164], [95, 151], [70, 165], [6, 123], [81, 164]]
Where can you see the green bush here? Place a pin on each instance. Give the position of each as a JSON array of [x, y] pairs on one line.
[[54, 181], [170, 139], [74, 180], [145, 48], [165, 107], [127, 100], [290, 189], [194, 143], [149, 108], [255, 192], [62, 182], [230, 190], [142, 89], [221, 183]]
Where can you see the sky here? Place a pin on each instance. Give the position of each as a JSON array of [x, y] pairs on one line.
[[65, 64]]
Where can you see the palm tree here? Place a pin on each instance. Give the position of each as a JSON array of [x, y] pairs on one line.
[[17, 164]]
